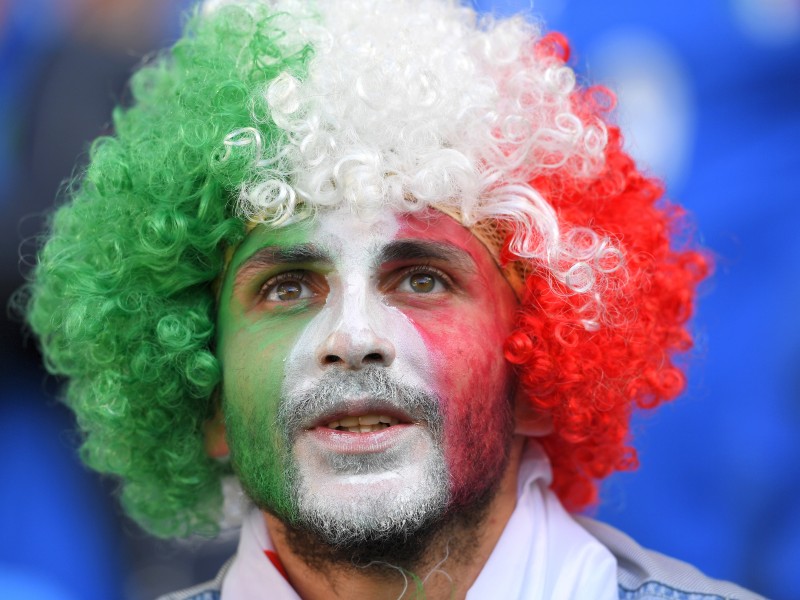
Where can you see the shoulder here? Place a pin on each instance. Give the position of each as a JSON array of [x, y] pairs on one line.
[[210, 590], [647, 575]]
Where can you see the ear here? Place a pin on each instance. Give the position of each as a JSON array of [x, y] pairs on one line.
[[529, 421], [216, 442]]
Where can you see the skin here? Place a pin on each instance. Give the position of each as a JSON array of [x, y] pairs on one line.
[[415, 295], [250, 340]]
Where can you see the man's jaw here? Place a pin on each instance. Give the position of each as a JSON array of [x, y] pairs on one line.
[[367, 465], [378, 468]]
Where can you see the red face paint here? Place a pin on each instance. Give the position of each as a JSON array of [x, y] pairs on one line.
[[464, 333]]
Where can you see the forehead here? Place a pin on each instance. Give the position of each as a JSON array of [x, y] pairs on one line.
[[340, 236]]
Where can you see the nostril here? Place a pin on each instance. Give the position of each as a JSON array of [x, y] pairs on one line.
[[345, 350]]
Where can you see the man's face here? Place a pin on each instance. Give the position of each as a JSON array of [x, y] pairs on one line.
[[364, 383]]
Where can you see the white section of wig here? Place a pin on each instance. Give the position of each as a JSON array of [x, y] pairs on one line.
[[415, 103]]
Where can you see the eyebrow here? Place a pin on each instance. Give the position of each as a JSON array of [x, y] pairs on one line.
[[425, 250], [271, 256]]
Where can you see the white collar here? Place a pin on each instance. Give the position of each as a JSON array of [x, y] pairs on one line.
[[542, 554], [252, 575]]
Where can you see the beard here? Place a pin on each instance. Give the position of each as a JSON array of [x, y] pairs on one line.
[[438, 535], [380, 519], [370, 512]]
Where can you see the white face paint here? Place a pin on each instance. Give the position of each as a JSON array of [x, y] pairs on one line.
[[351, 481], [356, 320]]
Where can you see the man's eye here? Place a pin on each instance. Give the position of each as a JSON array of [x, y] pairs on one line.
[[422, 283], [286, 288]]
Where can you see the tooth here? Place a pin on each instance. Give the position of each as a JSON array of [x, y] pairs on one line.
[[363, 423]]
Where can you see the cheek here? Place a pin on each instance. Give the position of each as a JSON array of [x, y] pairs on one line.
[[472, 376], [253, 363], [466, 354], [474, 383], [253, 370]]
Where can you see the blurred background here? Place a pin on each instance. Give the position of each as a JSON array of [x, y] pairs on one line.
[[709, 100]]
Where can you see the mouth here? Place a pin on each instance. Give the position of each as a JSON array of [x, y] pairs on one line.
[[366, 426], [365, 416], [363, 423]]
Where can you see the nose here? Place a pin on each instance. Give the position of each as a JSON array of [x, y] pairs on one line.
[[356, 349], [356, 335]]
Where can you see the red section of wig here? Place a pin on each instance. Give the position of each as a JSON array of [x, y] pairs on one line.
[[590, 382]]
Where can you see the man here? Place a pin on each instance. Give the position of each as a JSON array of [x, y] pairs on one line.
[[390, 267]]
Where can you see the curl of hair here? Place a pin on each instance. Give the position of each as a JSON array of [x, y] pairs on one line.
[[391, 112], [589, 380], [122, 295]]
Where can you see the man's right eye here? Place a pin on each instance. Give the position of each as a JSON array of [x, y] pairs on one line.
[[287, 287]]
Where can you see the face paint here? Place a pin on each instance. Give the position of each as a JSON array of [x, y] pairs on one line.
[[355, 486], [465, 339], [252, 345], [392, 401]]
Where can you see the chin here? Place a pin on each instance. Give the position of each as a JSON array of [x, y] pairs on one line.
[[383, 524], [372, 499]]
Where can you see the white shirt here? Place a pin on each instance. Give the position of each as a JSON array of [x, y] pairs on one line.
[[542, 554]]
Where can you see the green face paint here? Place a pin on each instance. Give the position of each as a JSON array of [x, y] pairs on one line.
[[254, 336]]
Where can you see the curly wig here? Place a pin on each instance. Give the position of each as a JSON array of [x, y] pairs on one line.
[[271, 112]]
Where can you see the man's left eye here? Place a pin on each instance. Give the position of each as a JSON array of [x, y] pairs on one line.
[[422, 283]]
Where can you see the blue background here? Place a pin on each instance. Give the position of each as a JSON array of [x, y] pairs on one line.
[[709, 99]]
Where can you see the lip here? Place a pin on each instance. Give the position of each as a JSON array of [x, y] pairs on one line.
[[361, 407], [347, 442]]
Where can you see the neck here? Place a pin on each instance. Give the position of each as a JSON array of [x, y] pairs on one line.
[[449, 565]]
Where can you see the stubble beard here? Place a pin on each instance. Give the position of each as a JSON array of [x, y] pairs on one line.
[[370, 521], [382, 530], [433, 534]]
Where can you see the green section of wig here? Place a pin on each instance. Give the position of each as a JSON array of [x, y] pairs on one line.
[[122, 295]]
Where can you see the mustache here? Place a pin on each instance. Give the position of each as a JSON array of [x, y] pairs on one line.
[[368, 390]]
